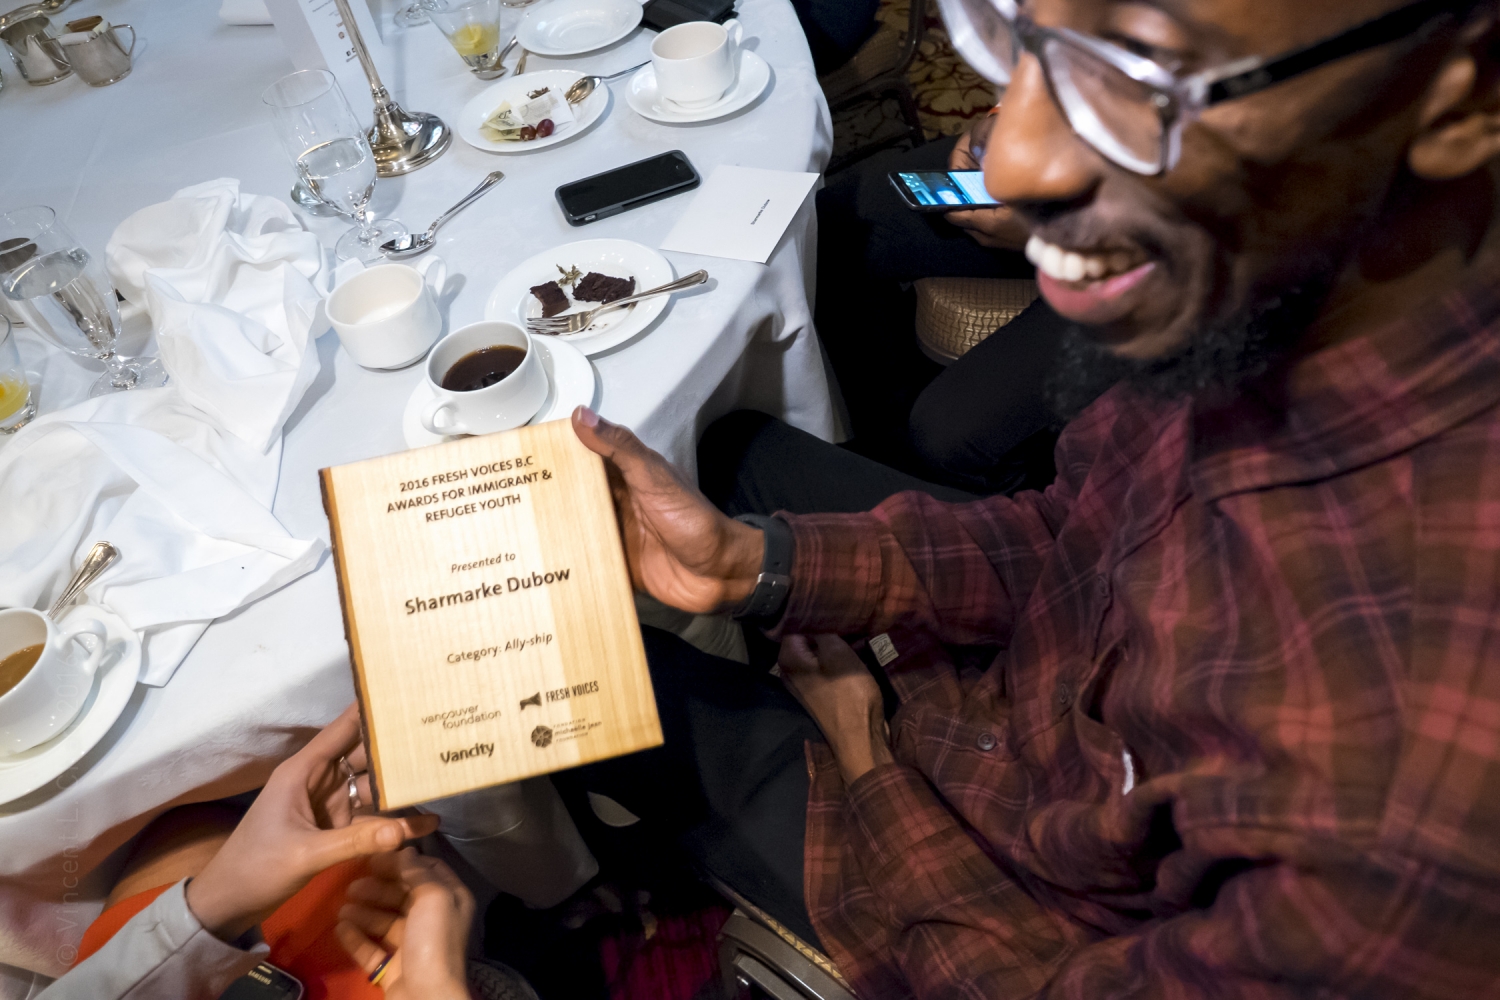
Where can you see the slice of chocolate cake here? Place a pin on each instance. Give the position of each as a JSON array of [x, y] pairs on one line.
[[553, 299], [596, 287]]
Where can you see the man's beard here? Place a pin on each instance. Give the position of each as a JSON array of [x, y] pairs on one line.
[[1219, 360]]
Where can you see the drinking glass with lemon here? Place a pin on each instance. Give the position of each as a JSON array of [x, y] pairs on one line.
[[17, 406], [472, 27]]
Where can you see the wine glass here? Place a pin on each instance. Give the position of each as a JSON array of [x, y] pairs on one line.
[[63, 292], [332, 155]]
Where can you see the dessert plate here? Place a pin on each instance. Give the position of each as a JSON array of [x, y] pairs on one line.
[[514, 89], [25, 772], [572, 27], [645, 100], [513, 302], [570, 382]]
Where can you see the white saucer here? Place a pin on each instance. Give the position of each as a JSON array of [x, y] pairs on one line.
[[644, 100], [25, 772], [512, 301], [514, 89], [570, 383], [573, 27]]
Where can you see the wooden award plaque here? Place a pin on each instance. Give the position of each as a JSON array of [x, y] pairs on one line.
[[489, 613]]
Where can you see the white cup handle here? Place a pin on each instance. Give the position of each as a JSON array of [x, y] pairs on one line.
[[95, 630], [430, 418], [735, 31], [434, 270]]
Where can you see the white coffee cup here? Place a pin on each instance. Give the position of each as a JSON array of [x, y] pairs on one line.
[[387, 315], [508, 403], [696, 62], [56, 686]]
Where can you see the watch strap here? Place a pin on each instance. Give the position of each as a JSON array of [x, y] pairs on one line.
[[772, 587]]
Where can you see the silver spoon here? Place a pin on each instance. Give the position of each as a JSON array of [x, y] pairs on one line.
[[99, 559], [412, 245], [506, 51], [580, 89]]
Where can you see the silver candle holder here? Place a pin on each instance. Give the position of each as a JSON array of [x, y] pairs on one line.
[[402, 141]]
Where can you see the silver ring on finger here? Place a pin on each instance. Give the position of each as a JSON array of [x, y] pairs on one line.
[[353, 792]]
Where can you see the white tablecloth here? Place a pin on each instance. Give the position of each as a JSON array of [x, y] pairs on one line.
[[260, 681]]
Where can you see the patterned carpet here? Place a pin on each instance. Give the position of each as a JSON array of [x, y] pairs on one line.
[[949, 94]]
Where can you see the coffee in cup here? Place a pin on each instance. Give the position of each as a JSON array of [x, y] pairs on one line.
[[696, 62], [483, 368], [17, 665], [44, 680], [485, 377]]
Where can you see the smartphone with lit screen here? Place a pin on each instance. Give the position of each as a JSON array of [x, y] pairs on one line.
[[942, 190]]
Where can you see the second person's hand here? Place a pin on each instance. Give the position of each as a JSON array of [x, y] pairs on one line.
[[407, 924], [682, 550], [301, 823]]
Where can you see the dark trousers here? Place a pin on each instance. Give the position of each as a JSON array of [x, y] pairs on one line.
[[729, 785], [983, 423]]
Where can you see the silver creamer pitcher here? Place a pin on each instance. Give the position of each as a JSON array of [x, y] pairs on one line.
[[97, 55], [36, 52]]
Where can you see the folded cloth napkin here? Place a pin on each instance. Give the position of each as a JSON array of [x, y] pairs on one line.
[[181, 479], [225, 278], [186, 504], [244, 12]]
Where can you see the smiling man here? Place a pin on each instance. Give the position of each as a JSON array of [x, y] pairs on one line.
[[1218, 713]]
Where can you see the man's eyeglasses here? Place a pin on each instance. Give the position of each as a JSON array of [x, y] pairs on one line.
[[1129, 108]]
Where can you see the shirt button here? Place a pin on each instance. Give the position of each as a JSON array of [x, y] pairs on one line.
[[987, 742], [1064, 695], [1101, 584]]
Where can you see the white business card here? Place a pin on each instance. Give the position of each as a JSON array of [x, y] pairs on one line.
[[740, 213]]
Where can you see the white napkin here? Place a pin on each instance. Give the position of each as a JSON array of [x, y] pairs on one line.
[[181, 479], [185, 503], [244, 12], [225, 278]]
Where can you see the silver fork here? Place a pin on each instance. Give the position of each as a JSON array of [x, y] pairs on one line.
[[578, 322]]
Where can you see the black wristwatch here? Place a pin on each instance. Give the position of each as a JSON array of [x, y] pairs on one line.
[[766, 602]]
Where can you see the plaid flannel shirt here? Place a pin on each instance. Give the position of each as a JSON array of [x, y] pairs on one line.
[[1241, 737]]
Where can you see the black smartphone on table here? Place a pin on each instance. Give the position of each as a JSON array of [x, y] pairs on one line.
[[623, 188], [659, 15], [942, 190]]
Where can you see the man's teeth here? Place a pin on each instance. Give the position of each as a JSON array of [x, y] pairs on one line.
[[1069, 265]]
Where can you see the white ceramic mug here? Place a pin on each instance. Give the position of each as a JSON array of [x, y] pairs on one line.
[[508, 403], [387, 315], [696, 62], [56, 686]]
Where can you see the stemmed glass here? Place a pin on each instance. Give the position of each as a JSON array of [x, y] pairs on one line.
[[63, 292], [332, 154], [472, 27]]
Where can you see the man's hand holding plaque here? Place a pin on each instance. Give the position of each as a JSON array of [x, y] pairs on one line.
[[682, 550]]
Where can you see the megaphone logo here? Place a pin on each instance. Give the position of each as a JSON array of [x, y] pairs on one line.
[[535, 699]]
